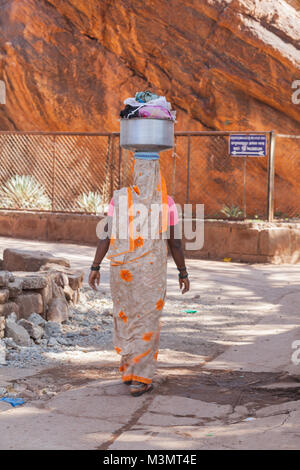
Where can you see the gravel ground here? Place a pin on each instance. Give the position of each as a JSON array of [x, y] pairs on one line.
[[90, 326]]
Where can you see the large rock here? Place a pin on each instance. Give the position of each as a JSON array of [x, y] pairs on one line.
[[35, 331], [29, 302], [25, 260], [58, 310], [223, 64], [4, 295], [8, 308], [17, 333]]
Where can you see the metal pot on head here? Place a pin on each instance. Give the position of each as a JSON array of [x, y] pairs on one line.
[[148, 135]]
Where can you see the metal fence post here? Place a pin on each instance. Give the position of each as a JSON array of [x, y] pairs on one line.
[[271, 175], [112, 166], [188, 169], [53, 174]]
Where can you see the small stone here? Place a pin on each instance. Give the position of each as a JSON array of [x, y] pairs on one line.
[[4, 406], [107, 312], [63, 341], [4, 295], [12, 317], [241, 410], [52, 328], [69, 293], [36, 332], [10, 343], [17, 333], [58, 310], [76, 297], [36, 319], [52, 342], [83, 333], [2, 391], [2, 353], [2, 327]]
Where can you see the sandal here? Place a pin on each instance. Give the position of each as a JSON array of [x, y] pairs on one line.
[[127, 382], [138, 388]]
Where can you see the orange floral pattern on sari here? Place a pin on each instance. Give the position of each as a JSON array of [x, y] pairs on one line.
[[138, 242], [123, 316], [126, 275], [159, 304], [147, 336], [140, 356]]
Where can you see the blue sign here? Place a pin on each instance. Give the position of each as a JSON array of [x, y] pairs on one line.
[[248, 145]]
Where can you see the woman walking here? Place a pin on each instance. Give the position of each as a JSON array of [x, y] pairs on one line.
[[137, 248]]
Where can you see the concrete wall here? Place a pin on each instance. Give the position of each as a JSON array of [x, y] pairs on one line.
[[257, 242]]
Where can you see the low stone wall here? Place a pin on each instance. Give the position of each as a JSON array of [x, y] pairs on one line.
[[49, 226], [251, 242], [255, 242]]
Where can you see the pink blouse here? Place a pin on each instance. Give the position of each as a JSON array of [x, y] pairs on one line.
[[172, 213]]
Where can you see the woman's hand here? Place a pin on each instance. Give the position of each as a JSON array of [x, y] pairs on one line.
[[94, 278], [184, 285]]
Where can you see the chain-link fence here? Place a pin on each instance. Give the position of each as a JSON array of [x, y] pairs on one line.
[[287, 177], [78, 172]]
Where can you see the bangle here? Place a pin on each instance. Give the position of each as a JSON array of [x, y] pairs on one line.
[[183, 276], [95, 268], [182, 269]]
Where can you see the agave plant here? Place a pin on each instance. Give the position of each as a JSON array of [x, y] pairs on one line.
[[91, 202], [233, 212], [24, 192]]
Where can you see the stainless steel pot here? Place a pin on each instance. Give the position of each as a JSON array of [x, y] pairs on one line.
[[143, 134]]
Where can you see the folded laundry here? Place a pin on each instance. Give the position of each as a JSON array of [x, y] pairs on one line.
[[147, 105], [129, 111], [145, 96], [154, 112]]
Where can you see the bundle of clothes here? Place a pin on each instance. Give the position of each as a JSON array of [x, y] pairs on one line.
[[147, 105]]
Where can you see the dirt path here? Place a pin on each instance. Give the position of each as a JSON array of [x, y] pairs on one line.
[[225, 377]]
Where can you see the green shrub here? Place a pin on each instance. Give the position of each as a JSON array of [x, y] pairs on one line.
[[24, 192], [91, 202], [232, 212]]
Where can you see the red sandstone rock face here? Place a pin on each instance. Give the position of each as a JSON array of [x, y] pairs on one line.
[[224, 64]]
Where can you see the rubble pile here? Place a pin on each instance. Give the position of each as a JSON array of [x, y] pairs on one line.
[[37, 293]]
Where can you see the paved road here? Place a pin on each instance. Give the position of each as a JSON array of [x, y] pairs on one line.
[[225, 376]]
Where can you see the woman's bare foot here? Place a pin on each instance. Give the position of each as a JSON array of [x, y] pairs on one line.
[[138, 388]]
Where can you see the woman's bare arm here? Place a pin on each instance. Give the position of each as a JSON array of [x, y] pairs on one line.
[[102, 249], [175, 246]]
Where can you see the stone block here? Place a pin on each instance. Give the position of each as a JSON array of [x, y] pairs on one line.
[[26, 260], [15, 288], [58, 310], [29, 302]]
